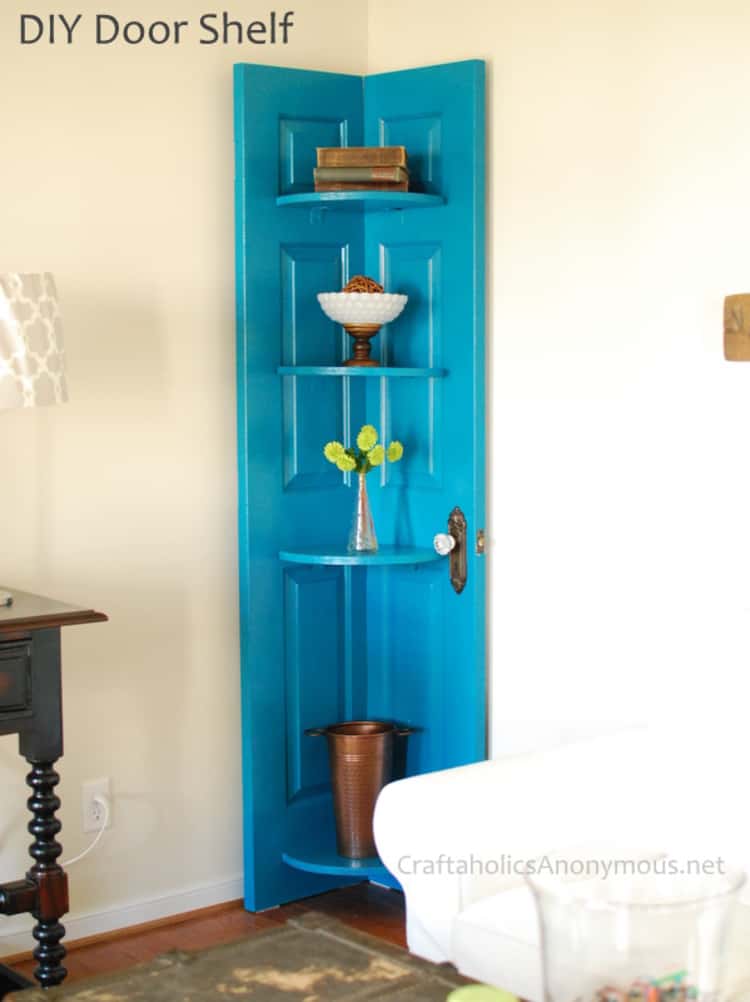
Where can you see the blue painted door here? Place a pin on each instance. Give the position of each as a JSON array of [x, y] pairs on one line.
[[323, 642]]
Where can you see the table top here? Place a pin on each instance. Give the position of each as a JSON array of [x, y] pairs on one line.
[[35, 612]]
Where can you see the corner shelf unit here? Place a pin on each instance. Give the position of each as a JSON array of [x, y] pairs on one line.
[[327, 635]]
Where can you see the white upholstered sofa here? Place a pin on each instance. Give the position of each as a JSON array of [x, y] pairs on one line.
[[448, 836]]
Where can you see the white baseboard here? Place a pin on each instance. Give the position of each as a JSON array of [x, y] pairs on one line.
[[95, 923]]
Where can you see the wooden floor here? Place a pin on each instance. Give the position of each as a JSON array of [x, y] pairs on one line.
[[366, 907]]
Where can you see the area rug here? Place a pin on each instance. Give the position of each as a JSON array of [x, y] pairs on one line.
[[310, 959]]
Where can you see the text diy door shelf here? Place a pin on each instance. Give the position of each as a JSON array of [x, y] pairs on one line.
[[106, 29]]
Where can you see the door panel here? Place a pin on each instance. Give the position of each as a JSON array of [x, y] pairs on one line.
[[298, 139], [309, 338], [415, 269], [315, 686], [421, 134], [411, 411]]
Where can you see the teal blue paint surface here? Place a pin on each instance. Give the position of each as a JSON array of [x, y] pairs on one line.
[[355, 372], [325, 636], [385, 556], [375, 201], [430, 658], [323, 859]]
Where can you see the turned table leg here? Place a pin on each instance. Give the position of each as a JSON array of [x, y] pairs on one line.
[[31, 706], [49, 877]]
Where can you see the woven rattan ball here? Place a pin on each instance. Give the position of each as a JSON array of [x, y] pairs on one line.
[[361, 283]]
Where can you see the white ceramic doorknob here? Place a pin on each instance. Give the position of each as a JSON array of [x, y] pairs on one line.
[[444, 543]]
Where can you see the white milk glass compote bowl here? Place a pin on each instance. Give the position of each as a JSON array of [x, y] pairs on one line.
[[362, 314]]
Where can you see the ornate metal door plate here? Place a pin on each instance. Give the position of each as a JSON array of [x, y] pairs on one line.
[[458, 563]]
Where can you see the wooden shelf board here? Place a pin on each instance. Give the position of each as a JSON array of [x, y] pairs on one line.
[[355, 201], [386, 555], [382, 372], [321, 859]]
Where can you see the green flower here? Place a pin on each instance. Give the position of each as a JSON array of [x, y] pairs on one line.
[[367, 438], [376, 455], [395, 452], [346, 464], [333, 451]]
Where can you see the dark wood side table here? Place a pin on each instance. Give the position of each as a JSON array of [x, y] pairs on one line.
[[31, 706]]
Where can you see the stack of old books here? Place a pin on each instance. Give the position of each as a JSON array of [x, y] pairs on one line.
[[362, 168]]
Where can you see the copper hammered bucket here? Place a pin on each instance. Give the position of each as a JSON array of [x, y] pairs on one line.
[[361, 758]]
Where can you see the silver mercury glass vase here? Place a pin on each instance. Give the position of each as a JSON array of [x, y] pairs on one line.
[[362, 538]]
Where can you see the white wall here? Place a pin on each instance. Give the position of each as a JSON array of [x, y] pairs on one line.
[[117, 175], [619, 474]]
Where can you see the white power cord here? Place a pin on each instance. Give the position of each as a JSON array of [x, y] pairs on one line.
[[98, 799]]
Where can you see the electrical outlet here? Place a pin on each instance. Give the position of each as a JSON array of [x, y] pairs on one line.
[[93, 811]]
